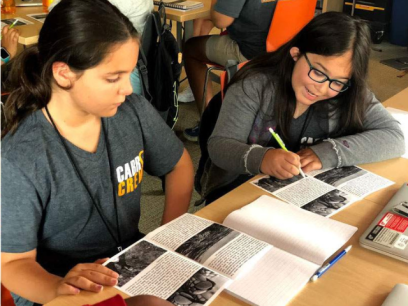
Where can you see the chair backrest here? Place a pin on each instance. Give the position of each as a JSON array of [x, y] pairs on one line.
[[6, 299], [226, 76], [289, 18]]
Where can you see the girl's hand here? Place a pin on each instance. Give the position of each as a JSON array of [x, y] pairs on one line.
[[10, 40], [89, 277], [280, 164], [309, 160]]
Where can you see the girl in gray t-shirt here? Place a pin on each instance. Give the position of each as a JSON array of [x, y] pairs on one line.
[[313, 92], [74, 152]]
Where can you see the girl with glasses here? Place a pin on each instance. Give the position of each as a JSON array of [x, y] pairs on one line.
[[75, 149], [313, 91]]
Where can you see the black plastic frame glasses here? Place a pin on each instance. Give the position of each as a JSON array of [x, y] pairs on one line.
[[326, 78]]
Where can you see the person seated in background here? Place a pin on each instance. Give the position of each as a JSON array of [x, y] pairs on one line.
[[137, 11], [74, 151], [247, 23], [313, 91]]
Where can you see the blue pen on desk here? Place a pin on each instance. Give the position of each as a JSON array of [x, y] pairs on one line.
[[326, 267]]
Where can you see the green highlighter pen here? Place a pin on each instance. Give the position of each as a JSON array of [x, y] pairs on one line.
[[12, 25], [280, 142]]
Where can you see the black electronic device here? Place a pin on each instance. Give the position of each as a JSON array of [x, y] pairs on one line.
[[5, 56]]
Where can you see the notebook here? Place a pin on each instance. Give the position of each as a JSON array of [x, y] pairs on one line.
[[181, 4], [388, 233], [29, 3]]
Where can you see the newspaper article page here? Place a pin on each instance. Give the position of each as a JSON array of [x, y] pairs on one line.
[[237, 254], [366, 184], [354, 180], [178, 231], [330, 203], [145, 268], [325, 192], [303, 191], [229, 250]]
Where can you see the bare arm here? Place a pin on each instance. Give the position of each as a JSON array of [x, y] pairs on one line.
[[179, 186], [221, 21], [23, 275]]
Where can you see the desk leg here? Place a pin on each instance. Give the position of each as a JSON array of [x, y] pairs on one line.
[[180, 35], [188, 33], [188, 29]]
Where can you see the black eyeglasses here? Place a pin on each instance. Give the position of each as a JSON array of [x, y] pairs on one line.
[[320, 77]]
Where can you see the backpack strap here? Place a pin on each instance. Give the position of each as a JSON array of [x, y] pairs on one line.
[[142, 68]]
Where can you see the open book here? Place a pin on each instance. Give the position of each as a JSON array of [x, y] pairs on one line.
[[181, 4], [325, 192], [265, 252]]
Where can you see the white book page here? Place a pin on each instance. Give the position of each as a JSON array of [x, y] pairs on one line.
[[402, 118], [290, 228], [274, 280]]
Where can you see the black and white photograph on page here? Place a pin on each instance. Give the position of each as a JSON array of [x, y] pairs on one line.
[[328, 203], [201, 246], [134, 260], [198, 289], [338, 176], [272, 184], [38, 17], [20, 22]]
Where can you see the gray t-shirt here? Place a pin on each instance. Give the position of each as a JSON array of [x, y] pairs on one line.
[[241, 137], [251, 25], [45, 205]]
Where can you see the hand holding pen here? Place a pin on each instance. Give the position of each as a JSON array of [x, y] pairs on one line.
[[309, 160], [281, 163], [11, 26]]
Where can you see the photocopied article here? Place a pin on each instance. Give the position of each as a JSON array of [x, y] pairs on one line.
[[325, 192], [190, 260], [267, 247]]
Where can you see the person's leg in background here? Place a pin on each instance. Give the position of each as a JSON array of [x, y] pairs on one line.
[[199, 51], [202, 27], [195, 60]]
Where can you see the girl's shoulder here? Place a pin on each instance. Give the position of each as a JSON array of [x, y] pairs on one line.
[[26, 138], [135, 106], [261, 84], [30, 146]]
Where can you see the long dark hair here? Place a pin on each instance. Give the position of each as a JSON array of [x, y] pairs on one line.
[[79, 33], [328, 34]]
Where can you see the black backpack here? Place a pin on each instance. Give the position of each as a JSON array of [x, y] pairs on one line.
[[159, 66]]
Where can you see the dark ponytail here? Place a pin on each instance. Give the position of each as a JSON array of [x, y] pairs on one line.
[[29, 91], [79, 33]]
